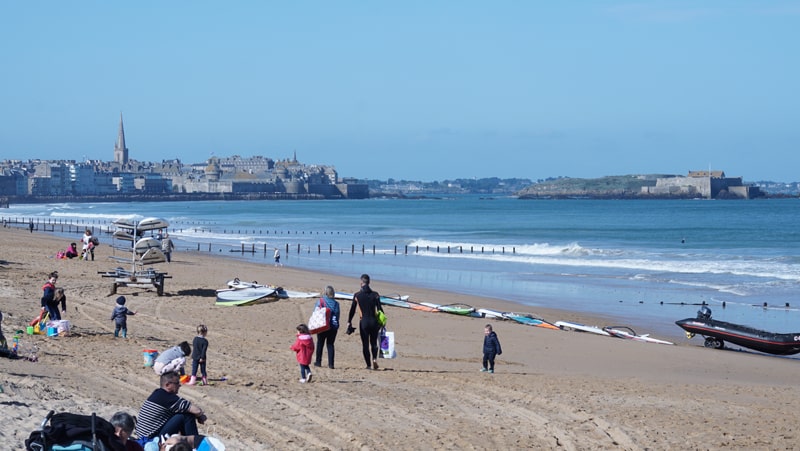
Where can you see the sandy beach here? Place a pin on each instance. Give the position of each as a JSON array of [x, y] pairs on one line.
[[551, 389]]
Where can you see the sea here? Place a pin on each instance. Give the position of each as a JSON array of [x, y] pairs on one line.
[[641, 263]]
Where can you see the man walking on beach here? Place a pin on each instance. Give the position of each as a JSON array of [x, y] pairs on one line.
[[369, 303]]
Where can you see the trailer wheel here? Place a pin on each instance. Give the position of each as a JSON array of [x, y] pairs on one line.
[[715, 343], [160, 286], [114, 288]]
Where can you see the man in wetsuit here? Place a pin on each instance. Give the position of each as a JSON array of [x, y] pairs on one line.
[[369, 303]]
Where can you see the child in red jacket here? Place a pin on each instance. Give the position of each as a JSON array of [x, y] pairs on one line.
[[304, 347]]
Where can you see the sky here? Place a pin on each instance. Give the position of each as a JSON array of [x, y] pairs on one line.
[[412, 90]]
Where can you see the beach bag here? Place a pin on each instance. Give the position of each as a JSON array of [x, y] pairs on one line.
[[381, 318], [320, 320], [387, 344]]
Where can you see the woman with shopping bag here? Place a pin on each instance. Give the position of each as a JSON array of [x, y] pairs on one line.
[[327, 337]]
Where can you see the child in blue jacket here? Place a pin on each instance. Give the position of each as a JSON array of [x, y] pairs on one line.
[[120, 317], [491, 348]]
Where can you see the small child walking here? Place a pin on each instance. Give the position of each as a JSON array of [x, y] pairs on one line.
[[304, 347], [120, 317], [491, 348], [199, 348]]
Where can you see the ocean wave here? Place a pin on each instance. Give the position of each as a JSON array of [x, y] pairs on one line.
[[749, 268], [520, 249], [83, 215]]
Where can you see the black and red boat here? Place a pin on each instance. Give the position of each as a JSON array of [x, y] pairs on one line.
[[717, 333]]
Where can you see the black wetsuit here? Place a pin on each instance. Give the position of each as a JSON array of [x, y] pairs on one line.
[[369, 302]]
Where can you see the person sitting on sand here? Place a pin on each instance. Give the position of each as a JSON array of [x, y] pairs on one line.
[[72, 251], [164, 412]]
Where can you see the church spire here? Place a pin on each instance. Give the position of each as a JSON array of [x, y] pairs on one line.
[[120, 150]]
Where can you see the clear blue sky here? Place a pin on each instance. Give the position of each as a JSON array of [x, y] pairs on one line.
[[420, 90]]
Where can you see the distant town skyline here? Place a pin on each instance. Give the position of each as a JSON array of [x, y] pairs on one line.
[[413, 90]]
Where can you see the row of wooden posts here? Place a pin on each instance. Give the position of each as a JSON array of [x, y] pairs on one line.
[[251, 249], [70, 227]]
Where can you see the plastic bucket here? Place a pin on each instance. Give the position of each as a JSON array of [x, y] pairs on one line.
[[150, 356], [30, 330], [63, 327], [52, 332]]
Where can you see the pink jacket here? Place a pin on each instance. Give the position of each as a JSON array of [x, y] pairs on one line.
[[304, 347]]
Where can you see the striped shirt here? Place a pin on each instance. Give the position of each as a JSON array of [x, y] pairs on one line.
[[157, 410]]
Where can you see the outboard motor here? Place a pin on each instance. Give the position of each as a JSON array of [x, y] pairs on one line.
[[704, 313]]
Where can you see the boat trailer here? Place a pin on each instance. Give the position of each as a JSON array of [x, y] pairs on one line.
[[138, 279]]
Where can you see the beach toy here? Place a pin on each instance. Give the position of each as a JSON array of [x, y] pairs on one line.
[[63, 327], [184, 379], [30, 330], [52, 332], [150, 356]]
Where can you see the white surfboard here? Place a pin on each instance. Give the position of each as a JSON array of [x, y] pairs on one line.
[[566, 325], [627, 333], [302, 294]]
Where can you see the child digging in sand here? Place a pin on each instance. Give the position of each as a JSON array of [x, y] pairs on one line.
[[199, 348], [304, 347], [491, 348]]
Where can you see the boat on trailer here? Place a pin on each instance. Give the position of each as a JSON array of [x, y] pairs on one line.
[[716, 333], [141, 251]]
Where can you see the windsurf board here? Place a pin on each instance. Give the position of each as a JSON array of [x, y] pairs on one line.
[[566, 325]]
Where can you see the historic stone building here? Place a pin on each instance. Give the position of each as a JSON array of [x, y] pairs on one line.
[[707, 184], [123, 176]]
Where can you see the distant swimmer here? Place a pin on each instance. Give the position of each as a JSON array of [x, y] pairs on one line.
[[683, 240]]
